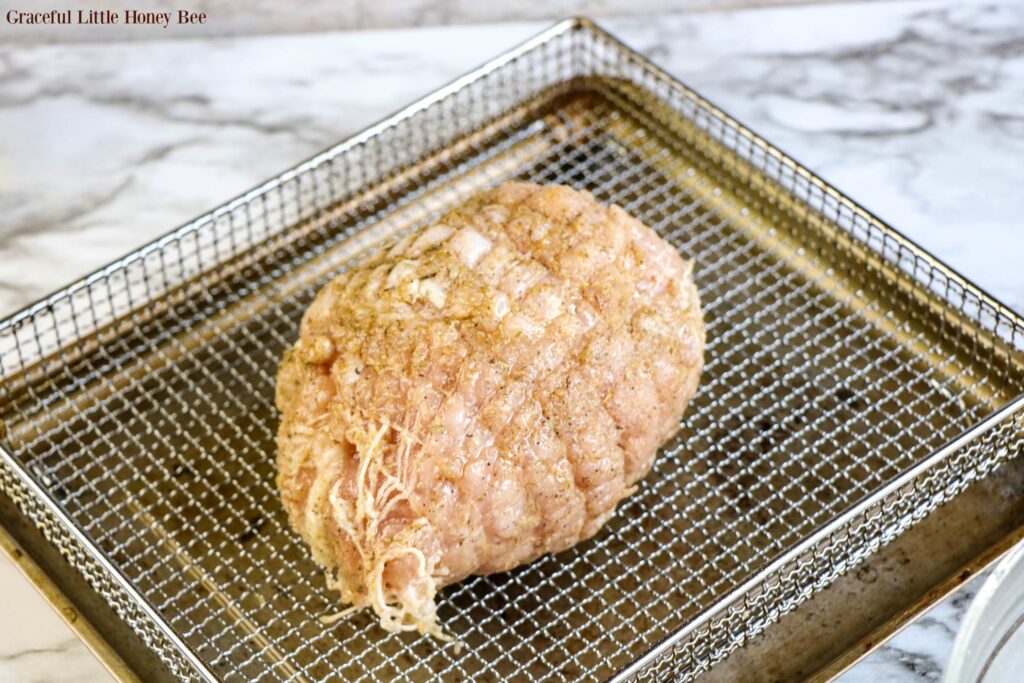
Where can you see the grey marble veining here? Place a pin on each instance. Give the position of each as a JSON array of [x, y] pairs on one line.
[[912, 108], [920, 652], [35, 645], [244, 17]]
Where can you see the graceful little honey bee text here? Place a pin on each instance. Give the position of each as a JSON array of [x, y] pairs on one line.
[[106, 17]]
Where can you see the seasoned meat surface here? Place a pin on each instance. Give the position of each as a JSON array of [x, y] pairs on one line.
[[481, 393]]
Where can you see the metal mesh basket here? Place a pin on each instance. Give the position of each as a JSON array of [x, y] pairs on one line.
[[853, 383]]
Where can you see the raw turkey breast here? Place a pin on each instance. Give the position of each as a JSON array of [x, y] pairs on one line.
[[481, 393]]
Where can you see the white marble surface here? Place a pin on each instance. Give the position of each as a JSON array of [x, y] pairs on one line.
[[245, 17], [35, 644], [911, 107], [920, 652]]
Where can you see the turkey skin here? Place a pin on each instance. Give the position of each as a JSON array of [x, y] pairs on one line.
[[482, 392]]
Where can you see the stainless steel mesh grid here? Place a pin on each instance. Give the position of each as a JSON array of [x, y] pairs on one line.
[[853, 383]]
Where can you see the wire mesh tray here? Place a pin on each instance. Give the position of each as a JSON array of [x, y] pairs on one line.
[[853, 384]]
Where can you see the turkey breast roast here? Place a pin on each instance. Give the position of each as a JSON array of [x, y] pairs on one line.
[[481, 393]]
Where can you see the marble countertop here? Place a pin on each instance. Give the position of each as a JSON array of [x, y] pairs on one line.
[[242, 17], [913, 108]]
